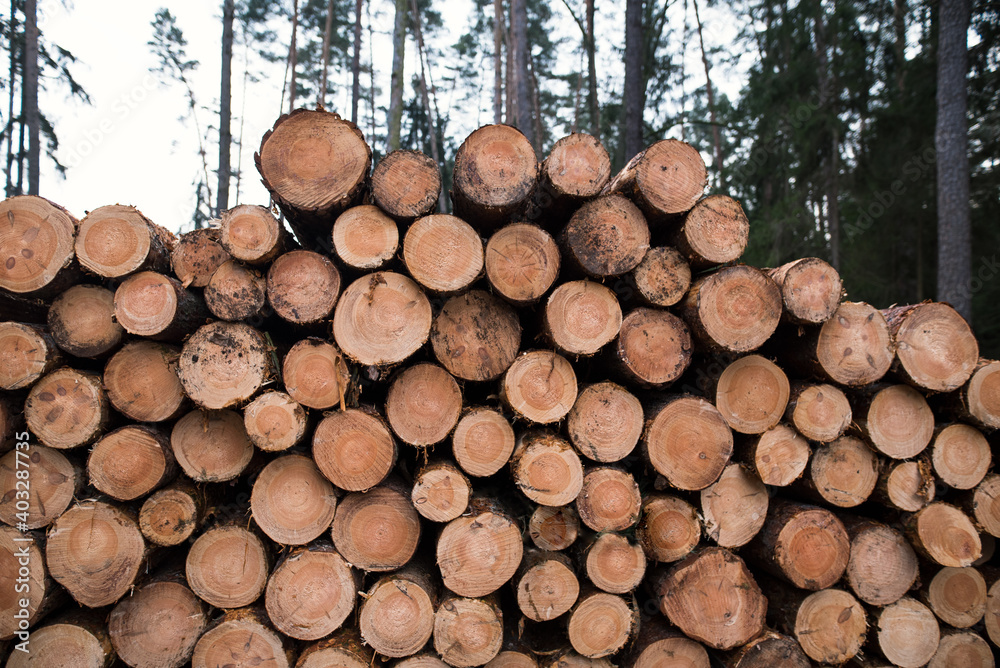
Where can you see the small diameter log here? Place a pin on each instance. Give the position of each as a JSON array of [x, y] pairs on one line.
[[601, 624], [311, 592], [482, 442], [522, 262], [27, 353], [130, 462], [95, 551], [364, 238], [354, 449], [688, 442], [731, 614], [577, 169], [944, 534], [78, 638], [315, 374], [613, 564], [397, 613], [468, 631], [581, 317], [157, 306], [242, 638], [344, 648], [715, 231], [291, 501], [223, 364], [908, 633], [843, 473], [607, 236], [302, 287], [235, 292], [961, 456], [423, 404], [660, 645], [553, 528], [819, 412], [936, 348], [830, 625], [54, 481], [476, 336], [605, 423], [768, 650], [82, 321], [898, 421], [669, 528], [211, 447], [907, 486], [480, 551], [752, 394], [171, 515], [159, 624], [665, 180], [381, 319], [883, 566], [546, 585], [779, 456], [440, 491], [36, 246], [227, 566], [540, 386], [406, 184], [117, 240], [805, 545], [274, 421], [734, 309], [251, 234], [377, 530], [957, 596], [546, 468], [494, 175], [734, 507], [663, 277], [810, 289], [443, 253], [196, 257], [653, 349], [315, 165], [983, 505], [142, 383], [67, 408], [609, 499], [962, 649], [979, 399], [30, 593]]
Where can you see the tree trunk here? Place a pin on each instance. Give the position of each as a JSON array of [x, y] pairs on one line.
[[957, 596], [634, 97], [82, 321], [292, 518], [354, 448], [752, 394], [483, 441], [398, 82], [896, 420], [609, 499], [830, 625], [293, 55], [716, 133], [976, 401], [779, 456], [330, 581], [432, 120], [664, 180], [593, 104], [945, 535], [960, 648], [546, 585], [715, 231], [908, 633], [521, 49], [79, 638], [961, 456], [9, 131], [767, 650], [324, 75], [32, 116], [211, 447], [498, 32], [356, 63], [819, 412], [225, 106]]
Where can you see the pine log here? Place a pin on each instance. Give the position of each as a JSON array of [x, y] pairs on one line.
[[480, 551], [601, 624], [752, 394], [274, 421], [882, 566], [908, 633], [291, 500], [228, 566], [567, 658], [468, 631], [54, 480], [944, 534], [95, 550], [581, 317], [669, 528], [540, 386], [158, 307], [196, 256], [688, 442], [315, 374], [522, 262], [397, 613], [715, 231], [514, 653], [653, 348], [577, 169], [82, 321], [315, 165], [381, 319], [443, 253], [251, 234], [779, 456], [428, 659], [67, 408], [907, 486], [843, 473], [476, 336], [36, 247], [961, 456], [983, 505], [553, 528], [344, 649], [364, 238], [820, 412], [734, 507], [142, 383], [733, 309], [223, 364], [171, 515], [896, 420], [211, 447], [607, 236], [665, 180], [962, 649], [302, 287], [733, 613], [613, 563], [311, 592], [377, 530], [76, 638], [440, 491], [406, 184], [936, 348], [423, 404], [546, 468], [991, 620], [483, 441], [810, 289], [663, 277], [605, 423], [494, 175], [117, 240], [354, 449], [978, 401], [830, 624], [805, 545], [30, 593], [768, 650], [27, 353], [957, 596], [660, 645], [236, 292], [609, 499], [242, 638], [131, 462], [546, 585]]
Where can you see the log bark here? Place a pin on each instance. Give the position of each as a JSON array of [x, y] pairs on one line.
[[142, 384], [310, 592], [67, 408], [576, 170], [302, 287], [734, 309], [669, 528], [77, 638], [397, 613], [935, 346], [665, 180], [553, 528], [653, 349], [443, 253], [734, 507], [82, 321], [196, 256], [54, 481], [663, 277], [612, 563], [882, 567], [830, 624], [406, 185], [354, 449], [944, 534], [251, 234], [522, 262], [896, 420], [480, 551], [36, 247], [546, 468], [581, 317], [607, 236], [820, 412], [274, 421], [377, 530], [540, 386], [228, 566], [957, 596], [33, 594], [117, 240], [605, 423], [983, 505], [752, 394], [440, 491], [483, 441], [843, 473], [688, 442], [27, 353], [131, 462], [546, 585], [364, 238], [423, 404], [236, 292], [291, 500], [158, 307], [468, 631], [211, 447], [315, 374], [961, 456], [476, 336], [978, 401], [242, 637], [715, 231], [908, 633], [223, 364], [171, 515], [609, 499], [779, 456], [601, 624], [810, 289]]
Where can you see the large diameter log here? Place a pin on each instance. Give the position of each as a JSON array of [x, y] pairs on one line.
[[354, 449], [734, 309], [377, 530], [957, 596], [752, 394], [978, 400], [767, 650], [779, 456], [715, 231], [843, 473], [961, 456], [734, 507], [908, 633], [381, 319], [665, 180], [661, 645], [540, 386], [77, 638], [54, 481], [95, 551], [546, 585], [653, 348], [829, 624], [936, 348], [443, 253], [171, 515], [609, 499], [476, 336], [274, 421], [601, 624], [291, 500], [223, 364], [156, 306], [302, 287], [423, 404], [944, 534], [669, 528], [211, 447], [196, 256], [553, 528], [406, 184], [663, 277], [607, 236], [688, 442], [227, 566], [735, 607], [130, 462], [494, 175], [397, 613], [576, 170], [810, 288], [364, 238], [907, 486], [67, 408], [605, 423], [82, 321], [480, 551], [962, 649], [483, 441], [251, 234], [522, 262], [898, 421], [142, 383], [820, 412], [36, 246], [315, 165], [235, 292], [30, 593], [580, 317], [242, 638], [613, 563], [546, 468], [983, 505], [440, 491], [315, 374], [311, 592], [27, 353], [882, 566], [468, 631], [117, 240]]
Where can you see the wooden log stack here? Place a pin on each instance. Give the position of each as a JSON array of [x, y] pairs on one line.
[[563, 426]]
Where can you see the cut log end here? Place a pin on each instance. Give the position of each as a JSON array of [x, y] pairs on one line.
[[354, 449], [819, 412], [130, 462], [715, 231], [522, 262], [251, 233], [908, 486], [958, 596], [211, 447], [540, 385], [854, 347], [654, 347], [752, 394], [615, 565], [547, 587], [476, 336], [882, 566], [154, 305], [35, 244], [735, 309], [196, 257], [606, 422], [494, 174], [142, 383], [397, 615], [600, 625], [689, 443], [946, 535], [241, 639], [66, 642], [810, 288], [934, 344], [830, 625], [669, 528], [310, 593], [609, 500], [377, 530], [117, 240], [961, 456], [666, 179], [780, 456], [986, 504], [482, 442], [223, 364], [67, 408], [578, 166], [734, 507], [315, 374], [171, 515], [844, 472], [423, 404], [443, 253], [547, 469], [82, 321], [365, 238], [227, 567], [663, 277], [480, 551], [899, 422], [553, 528], [54, 481], [467, 631], [607, 236], [581, 317], [274, 421], [406, 184], [983, 395], [158, 625], [26, 354], [810, 547], [302, 287], [908, 633], [291, 500], [962, 650], [235, 292], [440, 492]]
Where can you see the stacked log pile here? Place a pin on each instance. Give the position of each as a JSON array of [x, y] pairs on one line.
[[561, 426]]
